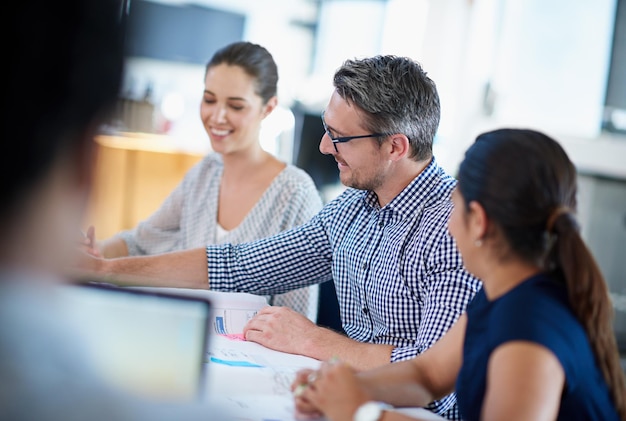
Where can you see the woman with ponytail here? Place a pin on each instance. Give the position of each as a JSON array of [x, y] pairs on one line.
[[536, 343]]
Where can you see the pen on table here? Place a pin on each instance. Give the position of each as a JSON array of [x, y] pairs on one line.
[[299, 390]]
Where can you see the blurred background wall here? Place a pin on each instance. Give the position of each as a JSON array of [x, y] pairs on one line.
[[496, 62]]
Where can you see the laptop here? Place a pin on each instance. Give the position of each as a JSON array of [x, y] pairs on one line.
[[150, 343]]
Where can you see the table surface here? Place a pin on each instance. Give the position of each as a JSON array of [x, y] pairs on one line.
[[253, 382]]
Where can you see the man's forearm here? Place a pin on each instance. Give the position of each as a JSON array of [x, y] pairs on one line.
[[182, 269]]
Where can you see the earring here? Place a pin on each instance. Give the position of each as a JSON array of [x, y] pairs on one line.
[[478, 242]]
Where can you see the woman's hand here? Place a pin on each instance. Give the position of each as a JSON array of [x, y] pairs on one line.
[[305, 410], [334, 391]]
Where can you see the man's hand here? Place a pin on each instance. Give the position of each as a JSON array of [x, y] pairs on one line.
[[89, 242], [285, 330], [280, 328], [87, 262]]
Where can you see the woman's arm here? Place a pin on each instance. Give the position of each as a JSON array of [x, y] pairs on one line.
[[524, 382], [337, 391], [341, 404], [427, 377]]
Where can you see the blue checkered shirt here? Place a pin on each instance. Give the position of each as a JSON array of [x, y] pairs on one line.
[[398, 274]]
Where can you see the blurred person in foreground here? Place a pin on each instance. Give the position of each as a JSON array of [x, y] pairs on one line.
[[238, 192], [64, 74], [536, 343]]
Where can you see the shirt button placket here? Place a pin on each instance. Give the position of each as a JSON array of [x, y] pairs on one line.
[[365, 267]]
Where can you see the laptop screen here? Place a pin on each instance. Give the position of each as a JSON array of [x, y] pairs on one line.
[[149, 343]]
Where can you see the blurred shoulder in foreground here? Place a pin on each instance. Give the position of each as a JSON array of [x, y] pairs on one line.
[[64, 73]]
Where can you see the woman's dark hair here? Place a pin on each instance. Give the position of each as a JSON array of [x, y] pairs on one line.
[[255, 60], [527, 185]]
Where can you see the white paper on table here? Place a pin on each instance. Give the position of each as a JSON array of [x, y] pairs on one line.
[[252, 381], [257, 407], [253, 353], [260, 388], [242, 367]]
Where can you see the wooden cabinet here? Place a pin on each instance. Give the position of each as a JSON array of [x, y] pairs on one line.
[[133, 175]]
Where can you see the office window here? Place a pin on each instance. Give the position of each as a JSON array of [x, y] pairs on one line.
[[181, 33], [615, 104]]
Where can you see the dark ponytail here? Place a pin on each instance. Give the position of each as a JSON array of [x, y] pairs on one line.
[[589, 298], [527, 185]]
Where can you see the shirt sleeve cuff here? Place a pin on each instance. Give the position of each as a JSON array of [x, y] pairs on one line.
[[217, 267], [405, 353]]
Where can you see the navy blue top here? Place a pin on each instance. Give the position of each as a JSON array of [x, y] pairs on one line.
[[538, 311]]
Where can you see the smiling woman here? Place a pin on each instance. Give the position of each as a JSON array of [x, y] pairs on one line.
[[239, 192]]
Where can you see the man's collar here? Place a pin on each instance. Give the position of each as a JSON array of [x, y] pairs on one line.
[[416, 193]]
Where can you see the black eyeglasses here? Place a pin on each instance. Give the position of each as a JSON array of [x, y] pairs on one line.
[[343, 139]]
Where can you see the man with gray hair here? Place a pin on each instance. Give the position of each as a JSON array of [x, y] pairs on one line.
[[399, 278]]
